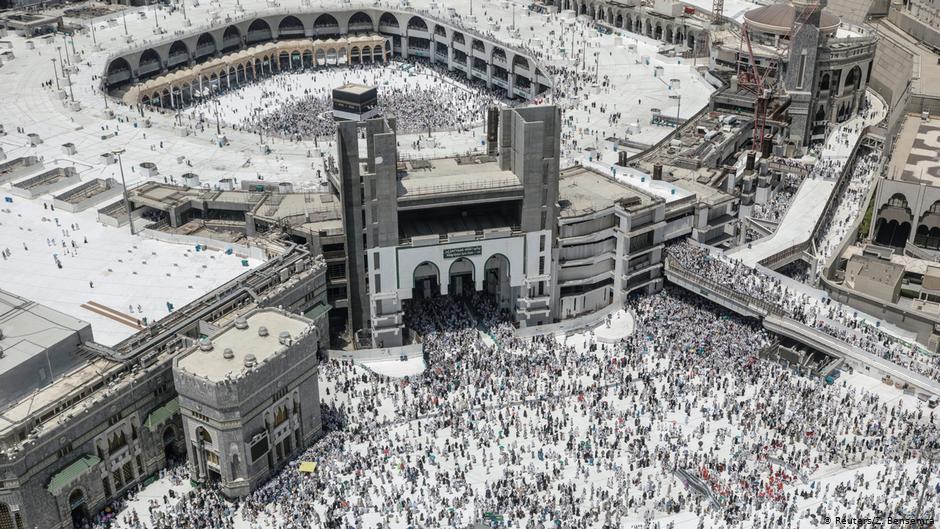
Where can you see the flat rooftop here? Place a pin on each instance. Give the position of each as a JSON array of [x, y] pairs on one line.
[[355, 88], [316, 207], [212, 365], [72, 383], [926, 62], [916, 156], [454, 175], [582, 190], [29, 329]]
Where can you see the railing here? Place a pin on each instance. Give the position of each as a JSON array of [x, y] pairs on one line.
[[831, 203], [478, 235], [758, 305], [457, 188], [640, 156]]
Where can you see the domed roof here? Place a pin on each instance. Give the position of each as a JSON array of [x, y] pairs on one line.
[[778, 18]]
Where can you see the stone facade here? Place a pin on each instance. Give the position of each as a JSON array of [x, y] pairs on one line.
[[242, 426], [410, 34], [113, 422]]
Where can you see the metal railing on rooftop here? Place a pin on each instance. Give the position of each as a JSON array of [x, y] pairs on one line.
[[424, 190]]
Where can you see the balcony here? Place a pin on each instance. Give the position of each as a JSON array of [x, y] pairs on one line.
[[478, 235], [647, 248], [535, 302], [588, 280], [589, 260], [590, 236], [533, 311], [384, 321]]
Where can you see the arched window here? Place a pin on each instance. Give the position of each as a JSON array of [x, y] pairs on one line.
[[9, 519], [280, 415], [897, 200], [388, 19], [417, 23], [116, 441]]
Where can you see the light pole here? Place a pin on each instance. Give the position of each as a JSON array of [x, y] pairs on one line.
[[678, 108], [56, 72], [58, 49], [127, 202], [68, 79], [65, 43], [124, 16]]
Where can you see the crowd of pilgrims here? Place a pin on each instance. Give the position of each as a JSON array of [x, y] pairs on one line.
[[831, 318], [776, 205], [288, 107], [681, 418], [862, 171], [851, 202]]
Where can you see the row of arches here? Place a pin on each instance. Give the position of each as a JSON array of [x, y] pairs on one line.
[[234, 37], [896, 220], [462, 278], [635, 22], [182, 92]]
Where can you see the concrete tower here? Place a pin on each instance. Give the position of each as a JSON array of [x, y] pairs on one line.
[[805, 41]]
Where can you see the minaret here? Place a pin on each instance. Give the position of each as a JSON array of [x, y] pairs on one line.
[[805, 39]]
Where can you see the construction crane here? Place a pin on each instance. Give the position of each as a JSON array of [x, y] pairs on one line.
[[752, 79], [763, 85], [718, 11]]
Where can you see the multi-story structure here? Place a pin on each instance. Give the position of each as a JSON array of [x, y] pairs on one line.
[[821, 70], [486, 222], [247, 48], [906, 207], [249, 398], [610, 242], [37, 345], [77, 442]]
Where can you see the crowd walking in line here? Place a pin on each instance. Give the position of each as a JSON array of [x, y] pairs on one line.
[[821, 313]]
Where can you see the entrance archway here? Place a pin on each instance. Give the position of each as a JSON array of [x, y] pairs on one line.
[[460, 277], [78, 508], [169, 444], [496, 280], [427, 281]]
